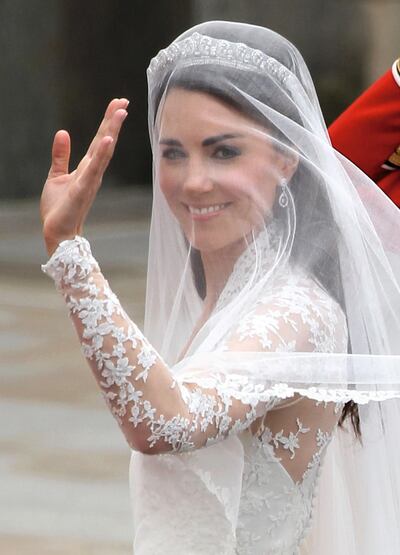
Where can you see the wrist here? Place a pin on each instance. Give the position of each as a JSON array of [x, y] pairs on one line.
[[70, 254], [51, 247], [51, 243]]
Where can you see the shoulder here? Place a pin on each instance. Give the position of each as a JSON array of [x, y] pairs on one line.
[[294, 314]]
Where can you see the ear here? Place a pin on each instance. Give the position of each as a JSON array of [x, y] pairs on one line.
[[290, 162]]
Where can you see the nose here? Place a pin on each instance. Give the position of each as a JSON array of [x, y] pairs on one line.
[[197, 178]]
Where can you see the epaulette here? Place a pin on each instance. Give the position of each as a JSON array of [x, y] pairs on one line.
[[393, 162]]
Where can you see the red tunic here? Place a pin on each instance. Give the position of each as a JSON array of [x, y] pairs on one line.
[[368, 133]]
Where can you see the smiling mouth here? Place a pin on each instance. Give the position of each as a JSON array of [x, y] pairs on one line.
[[205, 210]]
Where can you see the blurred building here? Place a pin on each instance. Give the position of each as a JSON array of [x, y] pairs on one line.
[[63, 60]]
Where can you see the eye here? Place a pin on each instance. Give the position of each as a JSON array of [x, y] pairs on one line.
[[224, 152], [173, 153]]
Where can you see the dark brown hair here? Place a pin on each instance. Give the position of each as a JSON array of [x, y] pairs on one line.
[[322, 264]]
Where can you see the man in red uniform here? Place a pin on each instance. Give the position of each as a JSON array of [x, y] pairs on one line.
[[368, 132]]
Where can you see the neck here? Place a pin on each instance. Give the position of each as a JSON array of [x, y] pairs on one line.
[[218, 266]]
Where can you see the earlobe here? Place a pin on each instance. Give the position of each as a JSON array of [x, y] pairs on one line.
[[290, 166]]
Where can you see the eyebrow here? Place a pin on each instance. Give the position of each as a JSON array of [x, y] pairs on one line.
[[218, 138], [207, 142], [170, 142]]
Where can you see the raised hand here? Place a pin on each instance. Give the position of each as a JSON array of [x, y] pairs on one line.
[[67, 197]]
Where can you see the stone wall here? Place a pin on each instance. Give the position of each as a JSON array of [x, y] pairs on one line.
[[61, 61], [29, 100]]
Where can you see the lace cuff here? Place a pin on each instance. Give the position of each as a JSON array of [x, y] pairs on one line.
[[71, 261]]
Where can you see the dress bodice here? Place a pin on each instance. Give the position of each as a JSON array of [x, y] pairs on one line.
[[275, 511], [176, 514], [226, 465]]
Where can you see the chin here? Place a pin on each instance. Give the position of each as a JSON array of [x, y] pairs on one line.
[[210, 244], [217, 238]]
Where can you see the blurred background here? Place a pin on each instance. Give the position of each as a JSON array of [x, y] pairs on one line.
[[63, 462]]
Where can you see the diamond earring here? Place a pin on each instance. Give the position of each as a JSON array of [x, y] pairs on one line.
[[283, 199]]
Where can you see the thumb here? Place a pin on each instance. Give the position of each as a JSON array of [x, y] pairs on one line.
[[60, 154]]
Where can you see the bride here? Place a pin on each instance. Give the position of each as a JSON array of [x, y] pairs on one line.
[[262, 401]]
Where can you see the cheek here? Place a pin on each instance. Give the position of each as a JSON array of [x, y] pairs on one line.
[[254, 183], [169, 182], [266, 176]]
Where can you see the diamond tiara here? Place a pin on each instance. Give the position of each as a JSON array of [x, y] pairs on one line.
[[200, 49]]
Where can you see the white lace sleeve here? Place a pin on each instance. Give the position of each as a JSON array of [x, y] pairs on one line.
[[154, 412]]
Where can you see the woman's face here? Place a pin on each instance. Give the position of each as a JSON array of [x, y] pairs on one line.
[[218, 170]]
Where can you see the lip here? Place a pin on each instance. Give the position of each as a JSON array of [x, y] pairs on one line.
[[206, 215]]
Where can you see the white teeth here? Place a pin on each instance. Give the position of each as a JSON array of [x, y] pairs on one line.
[[206, 210]]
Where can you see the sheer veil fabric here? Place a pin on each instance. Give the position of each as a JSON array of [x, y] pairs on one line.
[[299, 226]]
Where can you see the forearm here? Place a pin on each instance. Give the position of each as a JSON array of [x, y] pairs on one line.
[[154, 413], [135, 382]]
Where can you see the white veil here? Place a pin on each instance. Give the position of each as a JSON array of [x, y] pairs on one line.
[[332, 223]]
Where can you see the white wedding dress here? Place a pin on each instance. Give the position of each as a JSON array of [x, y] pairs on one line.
[[178, 506], [228, 440]]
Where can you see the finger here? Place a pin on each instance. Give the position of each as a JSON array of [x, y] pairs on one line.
[[93, 174], [114, 105], [60, 154], [114, 127], [103, 153]]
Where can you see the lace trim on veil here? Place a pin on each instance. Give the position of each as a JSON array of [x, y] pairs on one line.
[[245, 276]]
